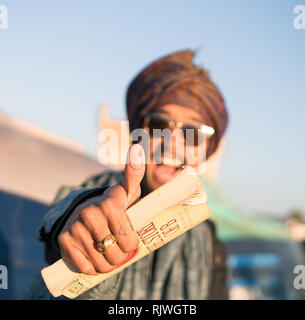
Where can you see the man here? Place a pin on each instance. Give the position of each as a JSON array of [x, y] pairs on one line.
[[171, 93]]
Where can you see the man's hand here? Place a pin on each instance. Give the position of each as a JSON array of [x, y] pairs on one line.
[[100, 216]]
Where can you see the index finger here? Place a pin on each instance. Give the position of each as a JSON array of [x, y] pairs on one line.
[[134, 173]]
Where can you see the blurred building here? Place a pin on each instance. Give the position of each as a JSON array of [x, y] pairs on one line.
[[34, 164]]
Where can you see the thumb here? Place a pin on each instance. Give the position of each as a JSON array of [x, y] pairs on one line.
[[134, 173]]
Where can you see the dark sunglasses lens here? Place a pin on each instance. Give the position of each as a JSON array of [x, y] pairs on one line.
[[192, 135], [157, 122]]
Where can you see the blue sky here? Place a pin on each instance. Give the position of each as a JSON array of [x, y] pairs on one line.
[[60, 59]]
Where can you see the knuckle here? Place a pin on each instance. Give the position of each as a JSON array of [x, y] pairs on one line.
[[62, 238], [90, 213], [84, 214], [107, 207], [106, 203], [76, 228]]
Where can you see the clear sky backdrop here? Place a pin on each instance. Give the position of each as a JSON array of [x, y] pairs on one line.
[[60, 59]]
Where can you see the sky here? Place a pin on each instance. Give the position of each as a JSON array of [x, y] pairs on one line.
[[59, 60]]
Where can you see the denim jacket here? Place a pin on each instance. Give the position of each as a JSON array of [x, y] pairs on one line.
[[181, 269]]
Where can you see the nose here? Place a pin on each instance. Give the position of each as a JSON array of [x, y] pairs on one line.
[[174, 148]]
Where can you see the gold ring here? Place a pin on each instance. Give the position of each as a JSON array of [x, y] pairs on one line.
[[109, 241]]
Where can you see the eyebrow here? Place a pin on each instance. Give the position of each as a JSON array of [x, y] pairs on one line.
[[191, 118]]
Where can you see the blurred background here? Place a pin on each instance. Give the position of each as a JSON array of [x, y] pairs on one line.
[[64, 70]]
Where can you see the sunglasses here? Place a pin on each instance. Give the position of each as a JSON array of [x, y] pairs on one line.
[[157, 121]]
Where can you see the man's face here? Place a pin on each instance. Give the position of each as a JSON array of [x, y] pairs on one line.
[[173, 154]]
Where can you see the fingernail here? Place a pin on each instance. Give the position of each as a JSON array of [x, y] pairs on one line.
[[136, 156]]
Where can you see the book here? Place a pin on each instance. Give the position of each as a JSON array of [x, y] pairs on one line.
[[158, 218]]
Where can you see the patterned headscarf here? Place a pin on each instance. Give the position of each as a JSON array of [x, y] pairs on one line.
[[174, 79]]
